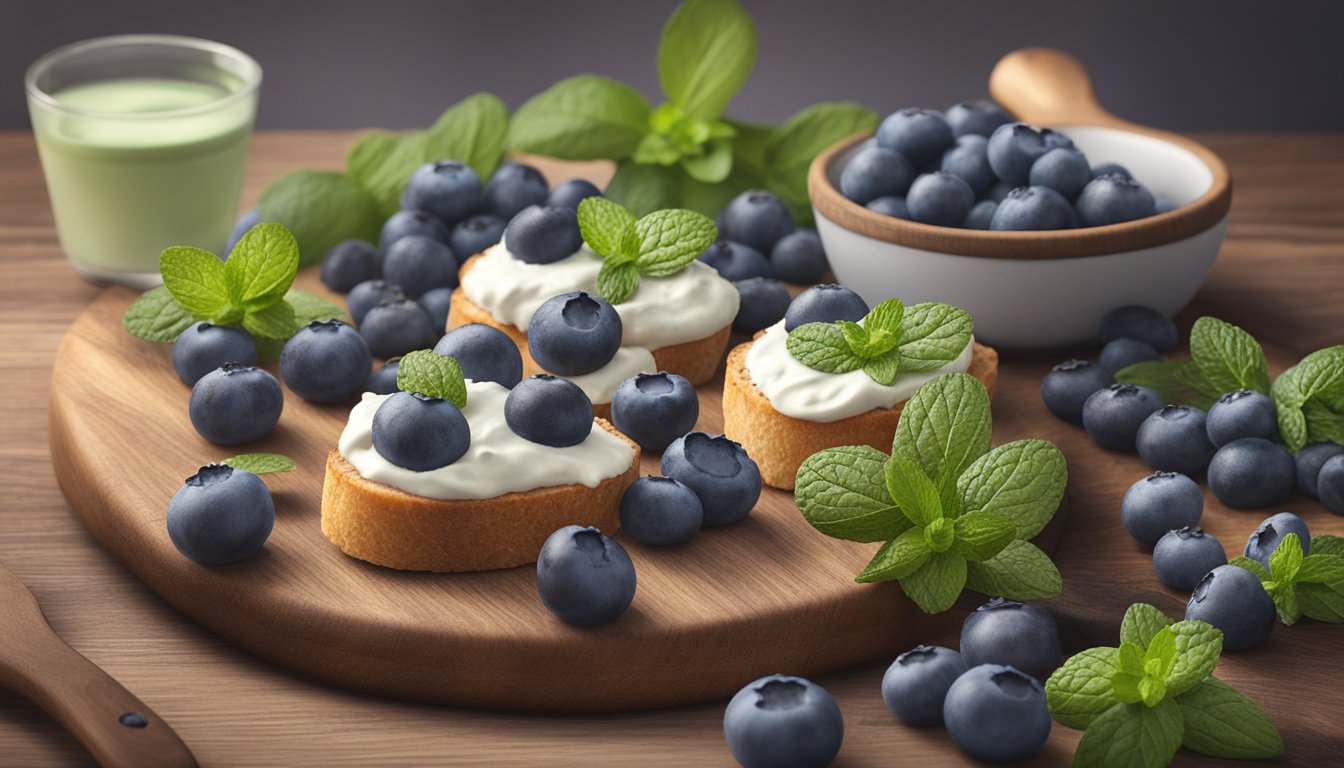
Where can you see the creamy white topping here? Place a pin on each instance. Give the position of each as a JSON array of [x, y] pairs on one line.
[[663, 311], [795, 390], [497, 461], [601, 384]]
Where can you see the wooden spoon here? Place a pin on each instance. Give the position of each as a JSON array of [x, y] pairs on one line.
[[112, 724]]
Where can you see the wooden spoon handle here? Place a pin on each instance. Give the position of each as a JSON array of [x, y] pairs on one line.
[[1048, 87]]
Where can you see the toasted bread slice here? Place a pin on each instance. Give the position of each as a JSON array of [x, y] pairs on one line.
[[387, 526], [696, 360], [780, 443]]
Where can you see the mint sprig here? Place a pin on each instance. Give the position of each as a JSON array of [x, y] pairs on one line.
[[658, 244], [952, 513], [1311, 585], [260, 463], [892, 339], [428, 373], [1137, 704]]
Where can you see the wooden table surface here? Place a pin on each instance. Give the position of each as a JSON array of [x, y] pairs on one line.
[[1280, 275]]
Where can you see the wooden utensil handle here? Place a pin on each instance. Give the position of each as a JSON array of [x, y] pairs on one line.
[[115, 727], [1045, 86]]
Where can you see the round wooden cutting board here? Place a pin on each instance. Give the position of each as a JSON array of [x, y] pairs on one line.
[[767, 595]]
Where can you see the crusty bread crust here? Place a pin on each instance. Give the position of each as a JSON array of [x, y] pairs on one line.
[[780, 443], [387, 526], [696, 360]]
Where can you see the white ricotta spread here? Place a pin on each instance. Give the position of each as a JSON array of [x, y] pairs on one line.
[[601, 384]]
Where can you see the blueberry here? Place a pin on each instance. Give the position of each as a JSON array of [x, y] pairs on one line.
[[1012, 633], [368, 295], [514, 187], [1330, 485], [1160, 502], [725, 478], [920, 135], [419, 264], [570, 192], [999, 191], [549, 411], [1271, 533], [1032, 209], [969, 159], [1183, 555], [349, 263], [383, 380], [396, 327], [1111, 169], [484, 352], [660, 511], [1174, 438], [890, 205], [448, 189], [419, 432], [915, 685], [1068, 386], [241, 227], [653, 409], [326, 362], [942, 199], [1112, 416], [220, 515], [825, 303], [1113, 199], [1251, 473], [1014, 147], [976, 117], [783, 722], [574, 333], [763, 303], [235, 404], [437, 302], [1309, 461], [404, 223], [997, 714], [543, 234], [757, 219], [1063, 170], [981, 215], [1244, 413], [876, 172], [799, 258], [1122, 353], [583, 577], [473, 235], [736, 261], [1233, 600], [203, 347], [1141, 323]]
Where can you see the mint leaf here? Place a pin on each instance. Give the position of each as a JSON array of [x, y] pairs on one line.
[[886, 317], [1165, 377], [1320, 374], [321, 209], [310, 308], [262, 266], [713, 164], [1292, 421], [1197, 648], [1309, 398], [1141, 624], [273, 322], [617, 282], [913, 491], [1220, 722], [1324, 425], [585, 117], [1322, 601], [707, 51], [943, 428], [789, 151], [1227, 357], [1159, 662], [936, 584], [1325, 544], [841, 492], [644, 188], [1126, 681], [898, 558], [671, 239], [822, 347], [1253, 566], [428, 373], [382, 163], [933, 335], [156, 316], [1319, 568], [884, 368], [1131, 735], [981, 535], [1022, 481], [856, 336], [1286, 604], [605, 225], [260, 463], [1019, 572], [1080, 690], [195, 278], [1286, 558]]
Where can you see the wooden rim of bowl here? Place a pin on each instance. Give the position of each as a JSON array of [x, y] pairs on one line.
[[1188, 220]]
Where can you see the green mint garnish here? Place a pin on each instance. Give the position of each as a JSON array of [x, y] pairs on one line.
[[1311, 586], [260, 463], [893, 339], [952, 513], [428, 373], [156, 316], [1139, 703], [659, 244], [321, 209]]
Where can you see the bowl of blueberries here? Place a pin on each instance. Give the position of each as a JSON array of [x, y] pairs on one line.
[[1036, 226]]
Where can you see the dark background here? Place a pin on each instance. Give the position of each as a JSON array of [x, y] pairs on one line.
[[1179, 64]]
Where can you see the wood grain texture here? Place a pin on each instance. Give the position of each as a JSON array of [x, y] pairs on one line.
[[1278, 276]]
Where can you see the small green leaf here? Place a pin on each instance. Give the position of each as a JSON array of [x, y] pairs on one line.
[[886, 316], [789, 151], [944, 427], [428, 373], [842, 493], [605, 225], [585, 117], [1286, 604], [195, 278], [1286, 558], [898, 558], [262, 266], [1325, 544], [1220, 722], [713, 164], [936, 584], [883, 369], [1131, 736], [1022, 481], [880, 342], [1019, 572], [707, 51], [1253, 566], [310, 308], [1318, 567], [981, 535], [671, 239], [1198, 646], [1322, 601], [913, 491], [1165, 377], [1227, 357], [643, 189], [320, 209], [940, 534], [260, 463], [1125, 682], [1080, 690], [617, 282], [822, 347], [156, 316], [1142, 622], [856, 336], [933, 335], [273, 322]]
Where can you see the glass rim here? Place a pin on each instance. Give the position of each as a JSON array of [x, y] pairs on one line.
[[250, 71]]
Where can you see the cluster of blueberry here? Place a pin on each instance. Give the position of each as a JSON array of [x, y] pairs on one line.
[[988, 695], [973, 168]]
